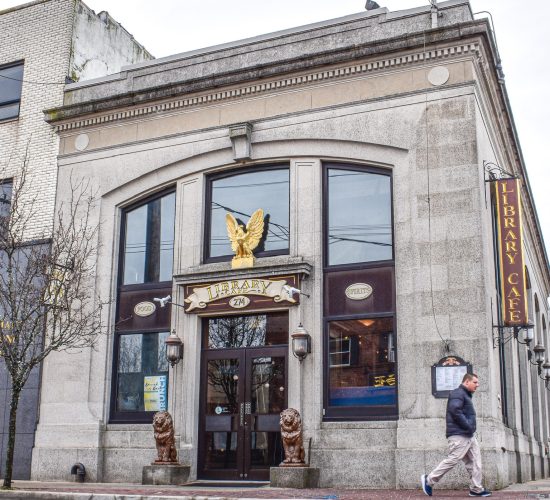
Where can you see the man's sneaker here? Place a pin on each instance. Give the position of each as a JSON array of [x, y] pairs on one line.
[[425, 486], [484, 493]]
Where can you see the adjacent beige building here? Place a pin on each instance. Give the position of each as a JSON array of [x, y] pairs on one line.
[[370, 142]]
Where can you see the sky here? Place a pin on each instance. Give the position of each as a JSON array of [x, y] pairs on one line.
[[167, 27]]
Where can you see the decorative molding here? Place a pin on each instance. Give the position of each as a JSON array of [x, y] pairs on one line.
[[283, 83], [264, 267], [240, 139]]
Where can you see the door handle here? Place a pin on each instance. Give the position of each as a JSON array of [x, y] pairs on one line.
[[248, 411]]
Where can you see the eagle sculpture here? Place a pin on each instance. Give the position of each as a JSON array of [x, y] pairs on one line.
[[243, 242]]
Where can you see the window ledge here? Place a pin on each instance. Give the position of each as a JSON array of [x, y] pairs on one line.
[[385, 424], [265, 266], [128, 427], [10, 120]]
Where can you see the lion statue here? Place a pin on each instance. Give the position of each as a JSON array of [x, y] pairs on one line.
[[164, 437], [291, 432]]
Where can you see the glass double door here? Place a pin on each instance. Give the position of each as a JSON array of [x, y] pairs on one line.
[[243, 392]]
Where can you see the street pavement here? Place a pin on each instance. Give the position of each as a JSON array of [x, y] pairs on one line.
[[101, 491]]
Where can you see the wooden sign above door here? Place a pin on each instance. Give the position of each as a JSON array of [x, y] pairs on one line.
[[245, 294]]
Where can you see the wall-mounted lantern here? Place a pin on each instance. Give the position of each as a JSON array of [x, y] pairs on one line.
[[539, 351], [174, 349], [528, 333], [524, 334], [301, 343]]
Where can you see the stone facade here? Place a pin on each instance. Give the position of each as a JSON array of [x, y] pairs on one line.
[[55, 39], [406, 91]]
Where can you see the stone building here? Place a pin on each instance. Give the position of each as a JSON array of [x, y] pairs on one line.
[[372, 143], [42, 44]]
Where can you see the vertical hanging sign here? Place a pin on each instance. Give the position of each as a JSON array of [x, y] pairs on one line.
[[513, 289]]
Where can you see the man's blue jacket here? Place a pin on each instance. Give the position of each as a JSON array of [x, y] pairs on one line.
[[461, 415]]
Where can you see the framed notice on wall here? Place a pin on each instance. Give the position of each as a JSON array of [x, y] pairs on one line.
[[447, 375]]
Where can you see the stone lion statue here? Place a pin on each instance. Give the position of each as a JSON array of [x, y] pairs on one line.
[[164, 437], [291, 432]]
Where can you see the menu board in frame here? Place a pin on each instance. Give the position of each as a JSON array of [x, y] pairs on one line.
[[447, 375]]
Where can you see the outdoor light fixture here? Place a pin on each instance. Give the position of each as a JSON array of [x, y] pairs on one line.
[[527, 335], [502, 337], [174, 349], [539, 351], [546, 371], [301, 343]]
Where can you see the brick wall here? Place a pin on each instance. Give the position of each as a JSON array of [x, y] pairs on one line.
[[56, 39], [40, 35], [47, 35]]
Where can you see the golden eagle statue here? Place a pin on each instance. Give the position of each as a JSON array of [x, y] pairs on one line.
[[242, 243]]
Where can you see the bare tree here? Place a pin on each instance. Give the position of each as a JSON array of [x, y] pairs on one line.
[[47, 299]]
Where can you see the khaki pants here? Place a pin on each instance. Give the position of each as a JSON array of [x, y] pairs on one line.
[[467, 450]]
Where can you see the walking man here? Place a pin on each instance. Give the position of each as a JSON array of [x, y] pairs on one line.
[[461, 426]]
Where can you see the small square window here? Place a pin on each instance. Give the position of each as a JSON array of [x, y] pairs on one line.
[[11, 81]]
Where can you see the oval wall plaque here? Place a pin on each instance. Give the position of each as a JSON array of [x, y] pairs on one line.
[[358, 291], [239, 301], [144, 309]]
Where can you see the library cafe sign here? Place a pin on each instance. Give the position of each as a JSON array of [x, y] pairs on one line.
[[512, 268], [242, 294]]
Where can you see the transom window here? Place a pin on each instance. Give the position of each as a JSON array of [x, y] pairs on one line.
[[257, 330], [149, 241], [241, 194], [11, 82]]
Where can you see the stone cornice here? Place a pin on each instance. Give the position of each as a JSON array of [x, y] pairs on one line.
[[496, 103], [256, 89], [264, 268]]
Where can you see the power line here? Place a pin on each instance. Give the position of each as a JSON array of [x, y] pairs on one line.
[[30, 81], [339, 239]]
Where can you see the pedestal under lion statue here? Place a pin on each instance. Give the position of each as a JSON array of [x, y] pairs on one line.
[[293, 472]]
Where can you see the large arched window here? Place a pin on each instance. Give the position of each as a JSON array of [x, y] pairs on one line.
[[140, 368], [359, 296], [241, 193]]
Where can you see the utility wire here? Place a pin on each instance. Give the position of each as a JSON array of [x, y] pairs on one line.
[[283, 229], [30, 81], [446, 342]]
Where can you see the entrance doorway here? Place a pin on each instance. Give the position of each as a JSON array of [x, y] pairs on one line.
[[243, 391]]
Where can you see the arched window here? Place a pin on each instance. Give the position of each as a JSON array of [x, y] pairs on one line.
[[140, 367], [359, 298]]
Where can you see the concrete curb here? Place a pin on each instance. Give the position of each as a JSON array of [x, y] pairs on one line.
[[49, 495]]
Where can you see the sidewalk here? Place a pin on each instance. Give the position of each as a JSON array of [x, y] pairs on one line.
[[102, 491]]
